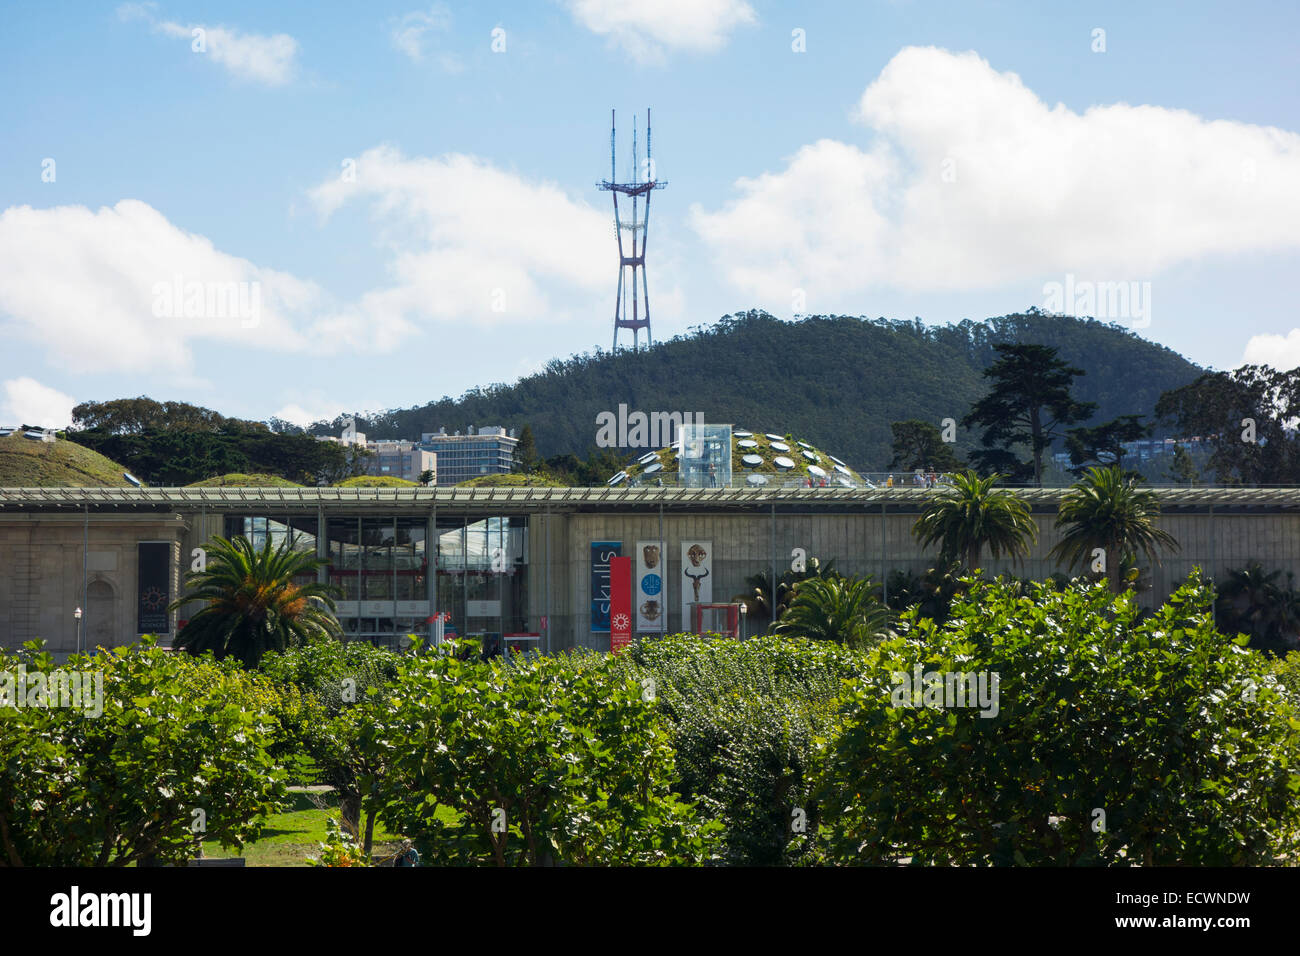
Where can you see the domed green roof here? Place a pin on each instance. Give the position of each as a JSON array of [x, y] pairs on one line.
[[778, 458]]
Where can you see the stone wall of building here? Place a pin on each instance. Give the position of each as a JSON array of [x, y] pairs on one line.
[[41, 559], [869, 543], [41, 577]]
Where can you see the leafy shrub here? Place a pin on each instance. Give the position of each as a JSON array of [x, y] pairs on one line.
[[541, 758], [743, 716], [1287, 671], [328, 687], [1186, 743], [339, 849], [176, 736]]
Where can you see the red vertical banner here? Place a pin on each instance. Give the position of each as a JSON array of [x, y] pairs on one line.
[[620, 603]]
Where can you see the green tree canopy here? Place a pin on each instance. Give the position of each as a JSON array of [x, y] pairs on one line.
[[919, 444], [1028, 406], [1185, 742], [1244, 415], [1104, 444], [526, 451]]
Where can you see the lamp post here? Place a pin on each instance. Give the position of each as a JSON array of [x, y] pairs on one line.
[[743, 610], [77, 615]]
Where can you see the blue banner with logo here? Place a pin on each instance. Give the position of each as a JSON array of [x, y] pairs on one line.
[[601, 552]]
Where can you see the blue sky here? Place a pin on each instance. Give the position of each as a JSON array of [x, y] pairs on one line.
[[940, 160]]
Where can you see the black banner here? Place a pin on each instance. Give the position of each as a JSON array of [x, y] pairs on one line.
[[153, 587]]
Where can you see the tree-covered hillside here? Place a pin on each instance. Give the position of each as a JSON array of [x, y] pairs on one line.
[[838, 381]]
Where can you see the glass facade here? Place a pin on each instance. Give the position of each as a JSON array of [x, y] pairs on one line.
[[381, 567], [483, 578]]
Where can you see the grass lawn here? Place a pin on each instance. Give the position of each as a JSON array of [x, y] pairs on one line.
[[290, 837]]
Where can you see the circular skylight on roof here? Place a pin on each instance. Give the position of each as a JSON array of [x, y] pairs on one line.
[[756, 480], [785, 464], [804, 444], [842, 470], [809, 455], [647, 458], [780, 446], [834, 459], [652, 468], [771, 437], [742, 434], [752, 461], [846, 483], [816, 472], [617, 479], [747, 443]]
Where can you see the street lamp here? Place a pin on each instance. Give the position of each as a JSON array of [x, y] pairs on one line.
[[77, 615], [743, 611]]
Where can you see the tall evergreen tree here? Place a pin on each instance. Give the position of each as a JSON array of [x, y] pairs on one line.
[[526, 451], [1104, 445], [919, 444], [1029, 405], [1182, 469]]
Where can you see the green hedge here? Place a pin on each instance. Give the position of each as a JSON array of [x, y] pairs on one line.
[[1186, 742], [179, 754], [743, 717], [540, 759]]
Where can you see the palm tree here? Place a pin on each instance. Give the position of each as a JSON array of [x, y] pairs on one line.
[[971, 515], [1252, 602], [1107, 510], [844, 610], [252, 604]]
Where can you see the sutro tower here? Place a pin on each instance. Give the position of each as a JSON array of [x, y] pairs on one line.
[[638, 229]]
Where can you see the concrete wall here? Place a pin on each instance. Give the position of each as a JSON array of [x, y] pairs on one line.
[[41, 556], [745, 544], [41, 576]]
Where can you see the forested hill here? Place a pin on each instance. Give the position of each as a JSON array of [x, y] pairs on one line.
[[836, 381]]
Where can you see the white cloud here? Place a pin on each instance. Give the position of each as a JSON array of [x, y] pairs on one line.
[[89, 286], [28, 402], [247, 56], [1279, 351], [319, 411], [974, 182], [648, 30], [469, 241], [411, 35]]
